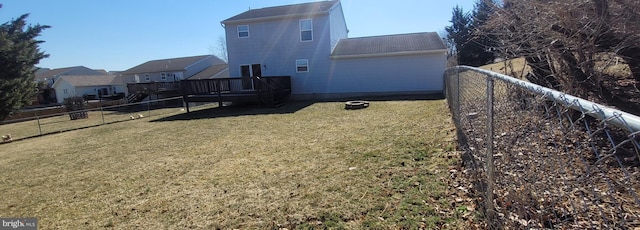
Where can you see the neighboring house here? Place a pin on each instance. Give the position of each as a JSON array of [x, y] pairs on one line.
[[41, 70], [309, 43], [161, 77], [214, 71], [50, 76], [170, 70], [91, 87], [102, 71]]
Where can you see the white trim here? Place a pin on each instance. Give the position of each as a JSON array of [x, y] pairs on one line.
[[406, 53], [307, 65], [238, 31], [311, 30]]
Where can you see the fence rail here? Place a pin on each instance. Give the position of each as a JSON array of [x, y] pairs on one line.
[[539, 158], [46, 123]]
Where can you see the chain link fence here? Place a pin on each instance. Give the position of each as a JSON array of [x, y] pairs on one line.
[[42, 122], [541, 159]]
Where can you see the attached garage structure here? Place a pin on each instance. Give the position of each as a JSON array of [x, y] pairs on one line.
[[392, 64]]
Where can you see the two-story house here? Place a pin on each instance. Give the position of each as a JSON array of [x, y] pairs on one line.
[[310, 43]]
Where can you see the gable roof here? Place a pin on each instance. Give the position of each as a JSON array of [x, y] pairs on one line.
[[102, 71], [172, 64], [212, 71], [306, 9], [41, 75], [388, 45], [90, 80]]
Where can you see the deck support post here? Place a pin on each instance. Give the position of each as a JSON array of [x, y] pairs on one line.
[[219, 90]]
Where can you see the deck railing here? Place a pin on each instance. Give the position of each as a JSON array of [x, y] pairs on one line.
[[235, 85], [153, 87]]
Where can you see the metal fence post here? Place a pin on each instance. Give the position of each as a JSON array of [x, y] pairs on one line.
[[102, 114], [457, 91], [489, 161], [39, 126]]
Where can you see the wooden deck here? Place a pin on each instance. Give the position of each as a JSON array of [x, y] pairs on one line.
[[266, 91], [140, 91], [153, 87]]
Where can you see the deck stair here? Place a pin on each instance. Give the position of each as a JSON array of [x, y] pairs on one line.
[[136, 97]]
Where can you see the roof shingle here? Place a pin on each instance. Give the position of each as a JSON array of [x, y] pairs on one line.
[[172, 64], [89, 80], [389, 44], [41, 75], [211, 71], [282, 11]]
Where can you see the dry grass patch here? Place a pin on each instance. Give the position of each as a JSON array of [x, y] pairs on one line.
[[516, 67], [322, 166], [61, 122]]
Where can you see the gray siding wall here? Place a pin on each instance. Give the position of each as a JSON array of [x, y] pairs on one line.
[[157, 77], [338, 26], [118, 89], [415, 73], [93, 90], [60, 87], [276, 46]]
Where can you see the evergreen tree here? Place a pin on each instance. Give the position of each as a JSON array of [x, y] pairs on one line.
[[19, 53], [459, 34], [482, 41]]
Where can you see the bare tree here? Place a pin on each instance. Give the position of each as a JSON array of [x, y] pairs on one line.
[[220, 49], [570, 43]]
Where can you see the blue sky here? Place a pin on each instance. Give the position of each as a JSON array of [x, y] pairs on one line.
[[120, 34]]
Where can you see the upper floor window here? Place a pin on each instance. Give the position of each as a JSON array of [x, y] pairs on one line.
[[302, 65], [147, 78], [163, 76], [243, 31], [306, 30]]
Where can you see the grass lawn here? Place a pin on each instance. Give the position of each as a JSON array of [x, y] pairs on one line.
[[297, 166], [61, 122]]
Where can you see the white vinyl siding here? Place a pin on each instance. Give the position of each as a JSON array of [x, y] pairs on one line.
[[306, 30], [302, 65], [243, 31]]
